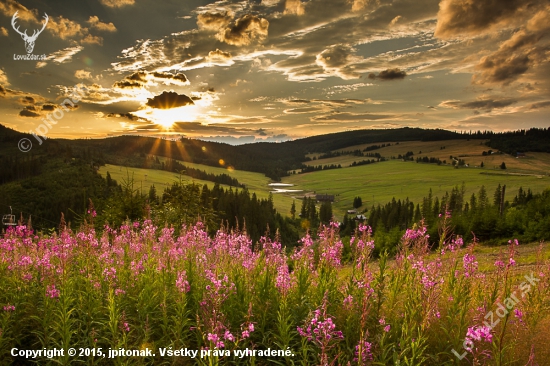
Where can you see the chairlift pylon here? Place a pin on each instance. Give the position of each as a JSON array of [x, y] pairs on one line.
[[9, 219]]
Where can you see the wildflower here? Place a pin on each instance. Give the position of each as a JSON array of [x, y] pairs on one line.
[[9, 308], [387, 328], [470, 264], [499, 264], [363, 349], [212, 337], [228, 336], [52, 292], [482, 333], [119, 291], [245, 334], [518, 314], [348, 301], [181, 283]]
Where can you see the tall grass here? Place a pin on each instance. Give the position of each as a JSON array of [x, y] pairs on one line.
[[139, 287]]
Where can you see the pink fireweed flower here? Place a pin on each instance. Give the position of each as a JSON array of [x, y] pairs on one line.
[[245, 334], [181, 282], [52, 292], [518, 314], [125, 327], [479, 333], [320, 329], [363, 349], [387, 328], [212, 337], [470, 265], [511, 262], [119, 292], [499, 264], [9, 308], [251, 327], [228, 336], [365, 228], [348, 301]]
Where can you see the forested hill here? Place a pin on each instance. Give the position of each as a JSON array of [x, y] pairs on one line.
[[272, 159]]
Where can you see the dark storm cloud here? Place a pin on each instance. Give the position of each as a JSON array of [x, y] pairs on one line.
[[139, 76], [27, 100], [140, 79], [539, 105], [29, 111], [168, 100], [487, 104], [165, 75], [458, 17], [49, 107], [389, 74], [245, 30], [127, 84], [525, 49], [128, 116]]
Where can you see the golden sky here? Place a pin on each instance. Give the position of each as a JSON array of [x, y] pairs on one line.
[[273, 70]]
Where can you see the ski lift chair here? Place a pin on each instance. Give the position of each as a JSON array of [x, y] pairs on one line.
[[9, 219]]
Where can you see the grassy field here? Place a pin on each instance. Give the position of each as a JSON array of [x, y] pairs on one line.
[[380, 182], [468, 150], [145, 178]]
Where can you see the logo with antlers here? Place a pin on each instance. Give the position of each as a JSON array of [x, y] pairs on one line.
[[29, 40]]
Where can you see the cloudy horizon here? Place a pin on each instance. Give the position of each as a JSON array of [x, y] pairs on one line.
[[274, 70]]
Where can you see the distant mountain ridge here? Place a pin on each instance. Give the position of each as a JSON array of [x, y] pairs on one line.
[[272, 159]]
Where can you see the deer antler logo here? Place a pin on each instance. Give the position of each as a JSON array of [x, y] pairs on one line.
[[29, 40]]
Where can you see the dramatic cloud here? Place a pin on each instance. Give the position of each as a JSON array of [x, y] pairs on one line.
[[29, 111], [97, 24], [179, 77], [82, 74], [525, 49], [91, 39], [117, 3], [470, 17], [487, 104], [49, 107], [352, 117], [539, 105], [245, 30], [389, 74], [64, 55], [3, 78], [127, 84], [65, 28], [219, 55], [294, 7], [336, 60], [213, 21], [168, 100], [141, 79], [128, 116]]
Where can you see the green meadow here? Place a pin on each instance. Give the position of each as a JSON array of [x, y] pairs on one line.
[[380, 182], [145, 178]]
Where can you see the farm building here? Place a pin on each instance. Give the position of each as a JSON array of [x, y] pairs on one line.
[[324, 197]]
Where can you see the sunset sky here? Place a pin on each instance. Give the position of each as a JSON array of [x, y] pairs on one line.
[[274, 70]]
